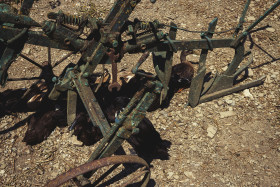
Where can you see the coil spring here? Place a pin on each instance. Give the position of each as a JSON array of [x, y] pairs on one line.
[[66, 19], [143, 25], [72, 20]]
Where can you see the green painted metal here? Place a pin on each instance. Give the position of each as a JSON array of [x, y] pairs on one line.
[[197, 82], [242, 19], [163, 63]]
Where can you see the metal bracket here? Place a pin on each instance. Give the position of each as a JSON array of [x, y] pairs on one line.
[[163, 63]]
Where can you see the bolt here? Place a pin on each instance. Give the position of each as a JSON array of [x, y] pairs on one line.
[[86, 74], [135, 131], [143, 46], [130, 29], [67, 41], [160, 34], [133, 3], [115, 43], [54, 79]]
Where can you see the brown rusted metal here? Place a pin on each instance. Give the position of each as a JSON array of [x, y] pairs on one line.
[[96, 164], [113, 57]]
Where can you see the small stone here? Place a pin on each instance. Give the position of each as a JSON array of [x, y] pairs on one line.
[[247, 93], [2, 172], [3, 125], [176, 177], [227, 114], [220, 102], [170, 174], [194, 124], [225, 68], [271, 96], [230, 102], [3, 165], [183, 25], [54, 174], [195, 136], [228, 124], [156, 115], [193, 147], [268, 80], [189, 174], [251, 18], [199, 115], [250, 72], [211, 131], [275, 75], [26, 50], [74, 141], [270, 29]]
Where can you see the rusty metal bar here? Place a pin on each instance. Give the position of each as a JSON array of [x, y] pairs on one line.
[[96, 164]]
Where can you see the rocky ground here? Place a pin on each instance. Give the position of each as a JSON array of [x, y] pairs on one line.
[[231, 141]]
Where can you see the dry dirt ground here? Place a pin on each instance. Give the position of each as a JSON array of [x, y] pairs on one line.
[[231, 141]]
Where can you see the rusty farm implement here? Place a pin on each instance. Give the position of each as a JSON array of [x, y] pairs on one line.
[[103, 44]]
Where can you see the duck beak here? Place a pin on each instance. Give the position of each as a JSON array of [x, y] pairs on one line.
[[180, 90]]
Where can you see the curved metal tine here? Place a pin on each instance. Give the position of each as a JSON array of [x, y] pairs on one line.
[[31, 61], [245, 66], [242, 19], [62, 59]]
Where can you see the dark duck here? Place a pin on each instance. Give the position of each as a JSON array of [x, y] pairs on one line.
[[182, 73], [147, 143], [42, 124]]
